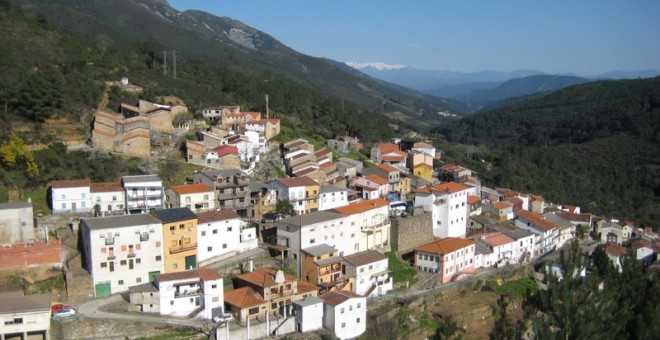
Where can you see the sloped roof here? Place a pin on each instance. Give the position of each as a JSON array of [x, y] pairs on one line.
[[16, 302], [498, 239], [216, 215], [445, 245], [448, 187], [195, 188], [70, 183], [106, 187], [243, 298], [319, 249], [537, 219], [361, 207], [119, 221], [205, 274], [297, 182], [364, 257], [377, 179], [338, 297], [471, 199], [264, 277], [174, 214]]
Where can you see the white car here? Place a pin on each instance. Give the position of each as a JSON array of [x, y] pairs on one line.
[[223, 318], [65, 313]]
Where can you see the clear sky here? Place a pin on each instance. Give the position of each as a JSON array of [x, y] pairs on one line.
[[585, 37]]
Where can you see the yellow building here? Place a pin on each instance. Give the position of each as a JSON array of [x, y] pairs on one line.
[[179, 238], [424, 171], [321, 265]]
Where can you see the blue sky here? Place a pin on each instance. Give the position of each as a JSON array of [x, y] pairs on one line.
[[585, 37]]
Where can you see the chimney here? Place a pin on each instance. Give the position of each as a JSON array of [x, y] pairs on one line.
[[279, 277], [250, 266]]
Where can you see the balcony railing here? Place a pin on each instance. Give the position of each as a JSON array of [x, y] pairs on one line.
[[109, 241], [183, 247], [374, 227], [284, 293], [188, 292]]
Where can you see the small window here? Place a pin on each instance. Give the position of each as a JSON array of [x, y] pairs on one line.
[[341, 311], [121, 282], [104, 264], [158, 258], [138, 280], [209, 248], [224, 246], [175, 266], [214, 286]]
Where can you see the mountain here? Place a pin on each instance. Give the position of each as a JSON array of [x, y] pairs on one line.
[[594, 144], [202, 37], [519, 87]]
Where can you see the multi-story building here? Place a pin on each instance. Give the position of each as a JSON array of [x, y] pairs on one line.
[[197, 197], [498, 246], [309, 314], [121, 251], [451, 257], [109, 196], [369, 273], [179, 230], [344, 314], [447, 203], [302, 192], [25, 316], [232, 188], [221, 234], [268, 128], [70, 196], [322, 266], [332, 197], [143, 193], [546, 231], [187, 292], [263, 199], [524, 248], [368, 225], [390, 173]]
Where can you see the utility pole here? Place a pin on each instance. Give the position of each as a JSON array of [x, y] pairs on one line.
[[164, 62], [174, 61], [267, 109]]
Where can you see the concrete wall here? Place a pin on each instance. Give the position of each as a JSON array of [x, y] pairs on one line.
[[258, 330], [412, 231], [107, 329]]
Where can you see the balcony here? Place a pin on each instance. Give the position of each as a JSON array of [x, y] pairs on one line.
[[281, 294], [183, 247], [131, 255], [144, 237], [375, 227], [187, 289], [112, 257], [109, 241]]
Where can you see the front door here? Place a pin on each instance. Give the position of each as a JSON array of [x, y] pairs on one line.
[[73, 206]]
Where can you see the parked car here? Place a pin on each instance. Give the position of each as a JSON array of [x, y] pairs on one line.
[[66, 313], [223, 318], [58, 307]]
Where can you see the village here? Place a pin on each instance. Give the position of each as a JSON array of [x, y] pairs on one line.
[[308, 249]]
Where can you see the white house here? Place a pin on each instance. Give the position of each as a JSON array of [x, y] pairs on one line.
[[345, 314], [25, 316], [370, 270], [143, 193], [615, 232], [302, 192], [547, 232], [122, 251], [185, 292], [197, 197], [370, 222], [524, 249], [567, 230], [109, 196], [71, 196], [309, 314], [500, 248], [452, 258], [332, 197], [247, 144], [447, 203], [222, 234]]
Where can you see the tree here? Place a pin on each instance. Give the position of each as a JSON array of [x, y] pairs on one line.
[[38, 96], [284, 207], [503, 328], [15, 154]]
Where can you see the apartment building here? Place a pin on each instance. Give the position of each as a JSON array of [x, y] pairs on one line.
[[179, 230], [222, 234], [452, 258], [302, 192], [448, 205], [369, 273], [109, 196], [70, 196], [197, 197], [231, 186], [144, 193]]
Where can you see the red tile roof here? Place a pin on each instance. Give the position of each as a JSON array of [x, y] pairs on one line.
[[377, 179], [338, 297], [500, 205], [106, 187], [387, 147], [471, 199], [361, 207], [297, 182], [364, 257], [445, 245], [216, 215], [191, 188], [304, 287], [205, 274], [225, 150], [70, 183], [264, 121], [243, 298], [264, 277], [447, 187], [387, 167], [615, 250], [536, 219], [498, 239]]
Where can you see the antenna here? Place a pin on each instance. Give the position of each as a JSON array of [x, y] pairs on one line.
[[164, 62], [174, 69]]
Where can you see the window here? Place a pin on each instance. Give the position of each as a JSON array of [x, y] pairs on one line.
[[122, 262], [209, 248], [158, 258], [172, 301], [175, 266], [312, 241], [343, 324], [157, 244], [357, 320], [15, 321], [214, 286], [215, 299], [350, 308], [98, 199], [229, 229], [120, 282], [206, 197], [63, 205], [359, 305], [341, 310], [138, 261], [114, 197], [172, 228], [138, 280], [215, 231], [224, 246], [104, 264]]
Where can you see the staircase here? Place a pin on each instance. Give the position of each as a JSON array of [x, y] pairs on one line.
[[195, 312]]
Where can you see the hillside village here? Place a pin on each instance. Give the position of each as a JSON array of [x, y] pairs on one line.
[[328, 221]]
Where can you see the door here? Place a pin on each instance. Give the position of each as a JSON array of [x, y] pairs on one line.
[[130, 264], [191, 262], [102, 289], [73, 206]]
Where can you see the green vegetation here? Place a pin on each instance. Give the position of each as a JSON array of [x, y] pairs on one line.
[[400, 271], [515, 289]]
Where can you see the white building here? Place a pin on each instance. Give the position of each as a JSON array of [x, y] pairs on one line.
[[309, 314], [122, 251], [567, 230], [370, 270], [500, 249], [197, 197], [25, 316], [143, 193], [332, 197], [17, 223], [302, 192], [109, 196], [345, 314], [447, 203], [71, 196], [452, 258], [546, 231], [524, 248], [183, 293], [222, 234], [368, 225]]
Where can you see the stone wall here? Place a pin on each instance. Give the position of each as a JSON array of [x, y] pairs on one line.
[[76, 328], [412, 231], [258, 330]]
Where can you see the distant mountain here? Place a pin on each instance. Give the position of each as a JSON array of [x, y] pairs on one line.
[[629, 74], [202, 37], [519, 87]]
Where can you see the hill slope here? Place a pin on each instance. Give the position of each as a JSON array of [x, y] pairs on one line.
[[595, 145], [229, 43]]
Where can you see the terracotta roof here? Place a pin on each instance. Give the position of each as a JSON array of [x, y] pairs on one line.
[[509, 194], [243, 298], [338, 297], [216, 215], [499, 205], [361, 207], [615, 250], [304, 287], [395, 157], [191, 188], [225, 150], [515, 201], [70, 183], [264, 277], [573, 217], [445, 245], [471, 199], [377, 179], [422, 145], [387, 147], [304, 172], [364, 257], [498, 239], [537, 219], [452, 167], [264, 121], [254, 115], [448, 187], [205, 274], [387, 167], [326, 165], [106, 187], [297, 182]]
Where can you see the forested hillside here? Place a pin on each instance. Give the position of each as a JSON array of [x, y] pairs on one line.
[[596, 145]]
